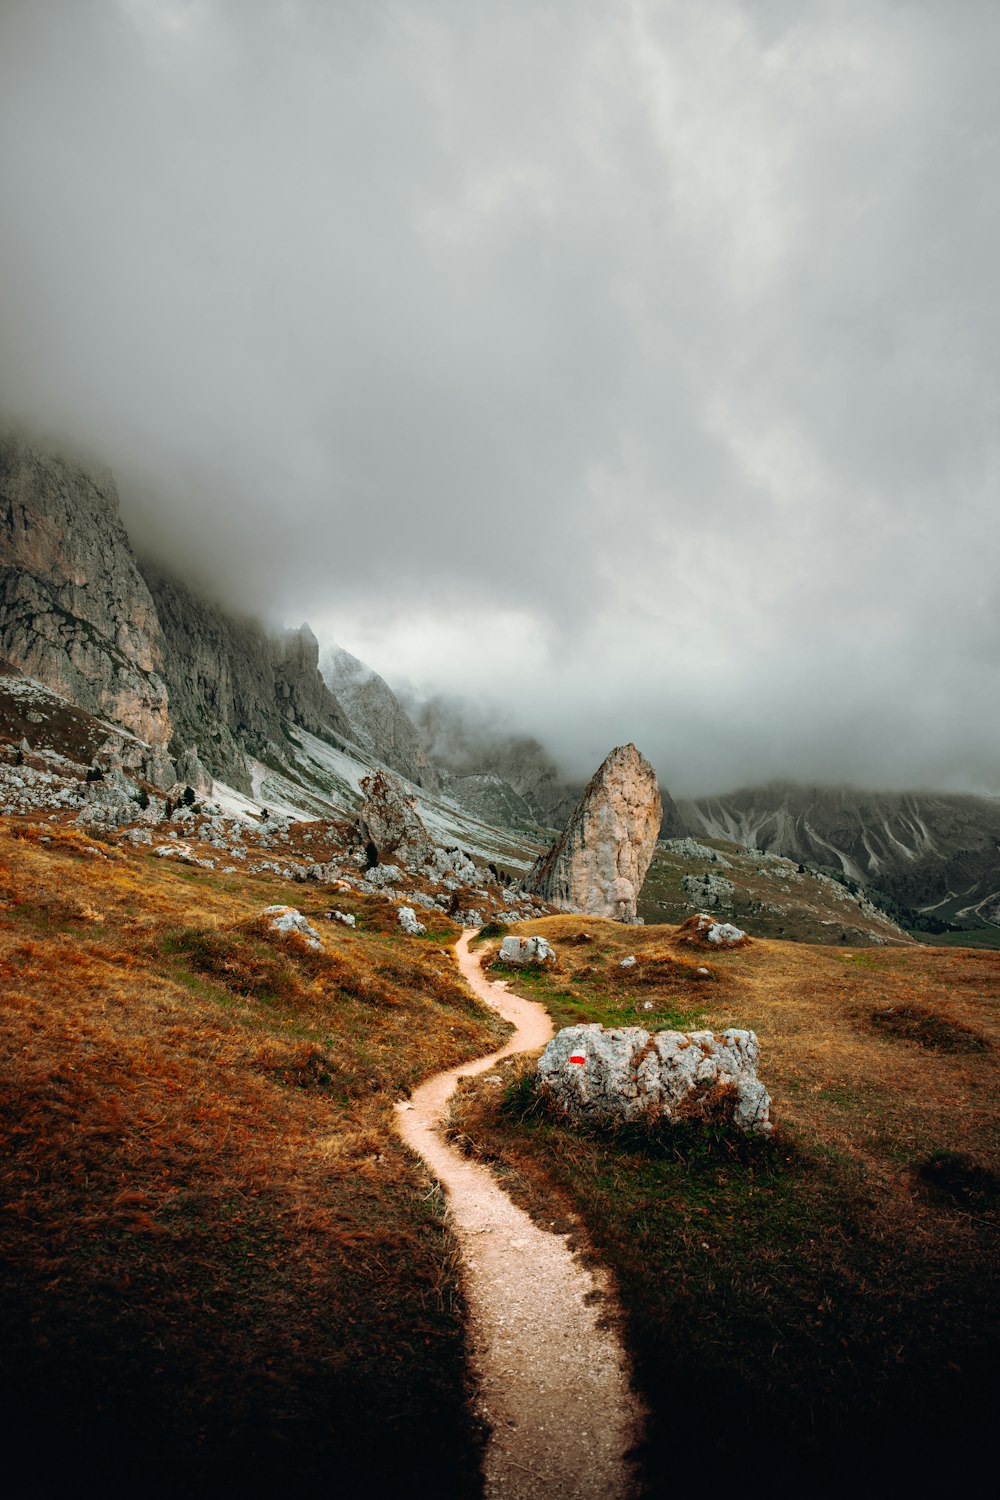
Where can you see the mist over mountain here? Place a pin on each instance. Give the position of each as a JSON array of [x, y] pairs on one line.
[[630, 372]]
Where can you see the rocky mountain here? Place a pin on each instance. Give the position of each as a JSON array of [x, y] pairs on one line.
[[933, 858], [233, 688], [377, 721], [75, 611], [485, 766], [124, 640]]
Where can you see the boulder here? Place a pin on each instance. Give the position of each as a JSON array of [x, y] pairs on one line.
[[705, 931], [285, 919], [388, 824], [522, 951], [599, 864], [408, 922], [631, 1076]]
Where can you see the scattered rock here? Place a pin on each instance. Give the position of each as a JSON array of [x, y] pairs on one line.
[[342, 916], [284, 919], [408, 921], [707, 889], [628, 963], [599, 864], [521, 951], [629, 1075]]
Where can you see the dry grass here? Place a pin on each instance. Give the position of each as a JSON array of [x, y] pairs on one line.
[[828, 1298], [223, 1270]]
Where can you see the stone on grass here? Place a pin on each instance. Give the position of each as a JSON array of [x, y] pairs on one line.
[[285, 919], [342, 916], [408, 922], [627, 963], [521, 951], [628, 1075], [704, 930]]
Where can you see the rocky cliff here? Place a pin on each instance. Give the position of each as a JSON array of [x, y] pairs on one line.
[[125, 640], [378, 722], [75, 612], [232, 686], [599, 864]]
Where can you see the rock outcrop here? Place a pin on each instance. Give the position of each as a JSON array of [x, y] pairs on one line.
[[628, 1075], [75, 612], [389, 826], [599, 864]]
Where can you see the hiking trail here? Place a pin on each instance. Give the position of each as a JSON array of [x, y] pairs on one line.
[[551, 1373]]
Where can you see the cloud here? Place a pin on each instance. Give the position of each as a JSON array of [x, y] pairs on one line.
[[633, 367]]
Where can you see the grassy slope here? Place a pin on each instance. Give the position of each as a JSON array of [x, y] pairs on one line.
[[222, 1272], [825, 1304]]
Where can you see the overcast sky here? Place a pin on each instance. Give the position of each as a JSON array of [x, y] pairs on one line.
[[631, 366]]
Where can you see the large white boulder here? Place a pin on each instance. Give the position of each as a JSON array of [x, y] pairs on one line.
[[408, 922], [627, 1074], [522, 951]]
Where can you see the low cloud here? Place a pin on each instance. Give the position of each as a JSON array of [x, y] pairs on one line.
[[631, 369]]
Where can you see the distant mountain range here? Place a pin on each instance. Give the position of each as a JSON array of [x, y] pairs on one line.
[[930, 858], [127, 641]]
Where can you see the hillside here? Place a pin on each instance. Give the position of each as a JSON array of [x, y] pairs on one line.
[[224, 1270], [816, 1312], [933, 860], [763, 892]]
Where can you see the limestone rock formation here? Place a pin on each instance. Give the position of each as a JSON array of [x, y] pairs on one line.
[[600, 862], [75, 612], [629, 1075], [377, 721], [408, 922], [389, 826]]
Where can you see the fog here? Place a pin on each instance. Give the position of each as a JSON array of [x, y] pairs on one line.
[[628, 368]]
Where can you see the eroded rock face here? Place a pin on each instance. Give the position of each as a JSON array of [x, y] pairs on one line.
[[377, 720], [629, 1075], [599, 864], [389, 826], [75, 612]]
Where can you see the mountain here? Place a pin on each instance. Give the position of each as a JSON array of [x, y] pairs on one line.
[[377, 721], [932, 858], [485, 766], [75, 610], [130, 643]]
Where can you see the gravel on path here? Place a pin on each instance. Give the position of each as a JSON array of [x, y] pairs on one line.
[[553, 1378]]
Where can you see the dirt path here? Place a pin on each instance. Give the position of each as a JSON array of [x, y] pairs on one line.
[[553, 1384]]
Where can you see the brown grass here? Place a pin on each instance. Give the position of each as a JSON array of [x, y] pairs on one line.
[[829, 1297], [223, 1269]]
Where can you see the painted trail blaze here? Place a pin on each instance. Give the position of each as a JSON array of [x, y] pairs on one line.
[[578, 1057]]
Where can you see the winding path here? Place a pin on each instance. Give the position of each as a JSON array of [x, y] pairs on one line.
[[553, 1382]]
